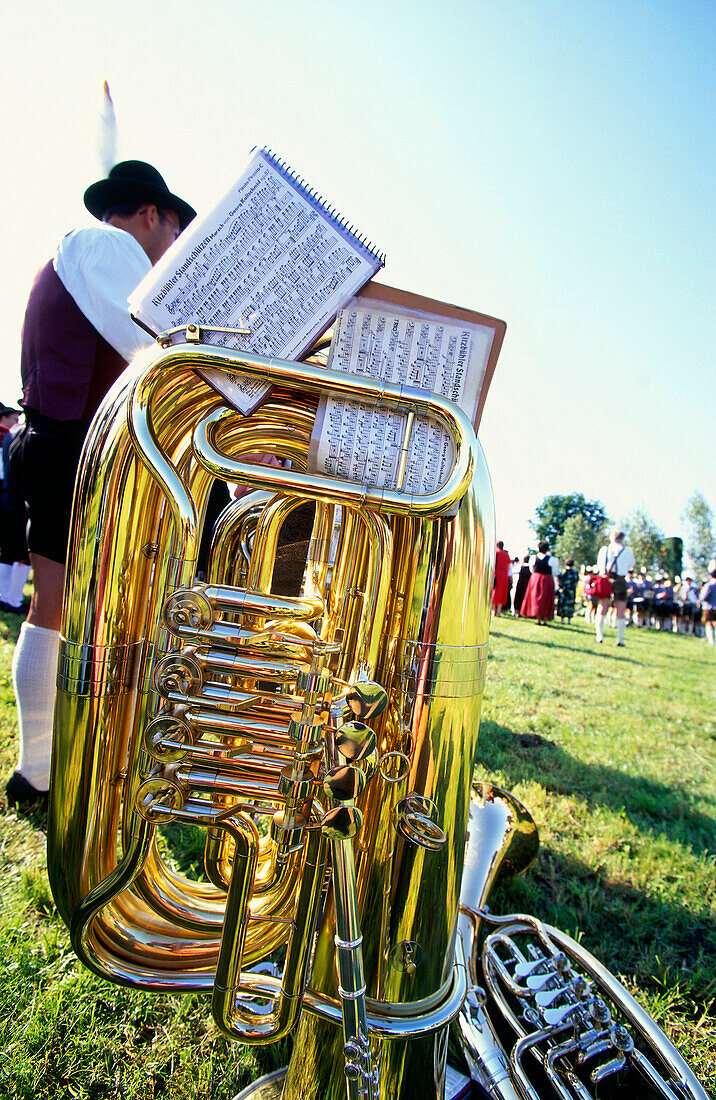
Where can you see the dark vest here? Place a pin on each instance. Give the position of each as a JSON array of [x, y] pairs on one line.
[[66, 366], [542, 565]]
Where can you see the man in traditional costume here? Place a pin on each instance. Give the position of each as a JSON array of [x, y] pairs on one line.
[[614, 561], [77, 339]]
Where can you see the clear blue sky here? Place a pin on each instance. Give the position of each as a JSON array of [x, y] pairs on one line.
[[551, 164]]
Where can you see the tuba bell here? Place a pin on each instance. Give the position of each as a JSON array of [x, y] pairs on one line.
[[320, 740]]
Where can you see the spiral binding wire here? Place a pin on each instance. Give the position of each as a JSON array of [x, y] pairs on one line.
[[317, 200]]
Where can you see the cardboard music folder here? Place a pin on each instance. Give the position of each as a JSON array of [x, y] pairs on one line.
[[434, 309]]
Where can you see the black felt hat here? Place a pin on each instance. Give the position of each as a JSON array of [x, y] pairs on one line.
[[135, 181]]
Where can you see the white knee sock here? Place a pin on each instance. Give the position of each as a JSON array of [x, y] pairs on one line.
[[34, 677], [5, 576], [599, 626], [621, 627], [20, 573]]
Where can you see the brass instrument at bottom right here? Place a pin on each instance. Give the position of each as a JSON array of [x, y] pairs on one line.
[[542, 1017]]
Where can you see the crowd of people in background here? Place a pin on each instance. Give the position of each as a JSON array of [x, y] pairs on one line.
[[681, 606], [612, 592]]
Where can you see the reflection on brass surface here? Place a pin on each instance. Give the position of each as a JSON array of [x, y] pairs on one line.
[[406, 956], [366, 699], [269, 1087]]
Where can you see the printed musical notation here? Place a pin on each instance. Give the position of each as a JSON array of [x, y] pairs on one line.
[[270, 257], [362, 443], [447, 355]]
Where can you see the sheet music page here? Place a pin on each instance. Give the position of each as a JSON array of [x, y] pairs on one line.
[[442, 355], [266, 258]]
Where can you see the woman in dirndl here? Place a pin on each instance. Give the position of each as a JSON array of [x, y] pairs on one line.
[[539, 598]]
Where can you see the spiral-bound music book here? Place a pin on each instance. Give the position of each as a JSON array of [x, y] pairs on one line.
[[273, 257]]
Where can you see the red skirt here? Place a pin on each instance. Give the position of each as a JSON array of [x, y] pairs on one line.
[[501, 591], [539, 597]]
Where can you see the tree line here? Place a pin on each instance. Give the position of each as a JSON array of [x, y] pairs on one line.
[[576, 528]]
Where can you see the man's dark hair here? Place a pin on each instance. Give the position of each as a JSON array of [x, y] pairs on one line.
[[121, 210], [500, 546], [128, 209]]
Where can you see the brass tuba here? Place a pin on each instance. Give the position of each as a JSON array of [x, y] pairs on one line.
[[321, 740]]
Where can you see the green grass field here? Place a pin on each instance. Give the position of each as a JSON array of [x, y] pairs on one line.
[[613, 753]]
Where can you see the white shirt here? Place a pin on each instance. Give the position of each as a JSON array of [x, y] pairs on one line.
[[553, 563], [616, 558], [100, 267]]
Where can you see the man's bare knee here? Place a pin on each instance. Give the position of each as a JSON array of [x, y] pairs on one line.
[[48, 578]]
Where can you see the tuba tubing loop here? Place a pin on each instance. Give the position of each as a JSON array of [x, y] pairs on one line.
[[304, 376]]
